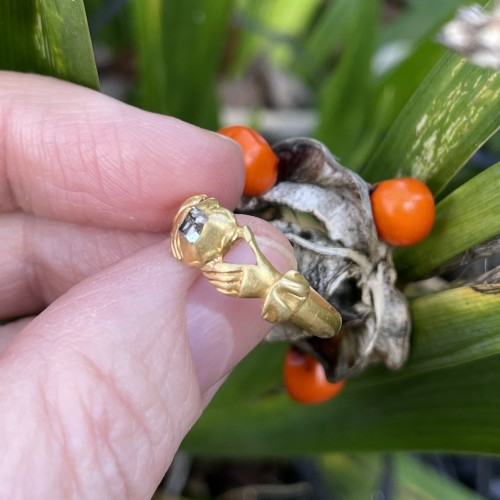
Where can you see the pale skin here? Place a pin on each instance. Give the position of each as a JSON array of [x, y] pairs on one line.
[[121, 346], [243, 280], [283, 296]]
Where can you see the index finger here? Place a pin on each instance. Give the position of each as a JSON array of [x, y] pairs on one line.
[[73, 154]]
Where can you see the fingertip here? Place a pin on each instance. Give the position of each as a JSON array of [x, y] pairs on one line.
[[225, 178]]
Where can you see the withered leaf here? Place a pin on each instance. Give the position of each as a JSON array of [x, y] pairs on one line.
[[324, 209]]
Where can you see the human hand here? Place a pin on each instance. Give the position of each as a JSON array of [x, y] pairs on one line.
[[124, 346]]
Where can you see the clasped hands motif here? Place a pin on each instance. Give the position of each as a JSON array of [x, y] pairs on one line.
[[203, 232]]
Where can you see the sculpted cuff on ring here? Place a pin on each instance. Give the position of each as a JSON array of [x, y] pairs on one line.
[[203, 232]]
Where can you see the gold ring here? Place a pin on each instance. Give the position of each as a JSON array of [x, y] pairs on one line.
[[203, 232]]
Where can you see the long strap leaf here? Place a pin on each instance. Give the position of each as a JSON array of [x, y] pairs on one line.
[[452, 113], [445, 398], [49, 37], [468, 216]]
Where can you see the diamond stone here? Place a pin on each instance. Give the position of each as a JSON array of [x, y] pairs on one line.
[[192, 225]]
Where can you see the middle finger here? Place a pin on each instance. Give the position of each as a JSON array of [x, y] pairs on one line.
[[40, 259]]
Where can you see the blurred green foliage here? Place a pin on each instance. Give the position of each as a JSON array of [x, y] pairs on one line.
[[179, 48], [361, 60], [358, 477]]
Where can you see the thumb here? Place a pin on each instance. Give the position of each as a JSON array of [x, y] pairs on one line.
[[111, 376]]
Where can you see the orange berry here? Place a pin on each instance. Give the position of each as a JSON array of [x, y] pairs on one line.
[[261, 163], [305, 378], [403, 210]]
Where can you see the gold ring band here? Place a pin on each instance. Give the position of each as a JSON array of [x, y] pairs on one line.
[[203, 232]]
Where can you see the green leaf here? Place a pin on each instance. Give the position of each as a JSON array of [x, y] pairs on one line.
[[421, 18], [468, 216], [454, 327], [358, 476], [355, 476], [345, 102], [395, 87], [452, 409], [151, 60], [420, 482], [179, 47], [330, 32], [110, 25], [452, 113], [270, 29], [48, 37], [446, 398]]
